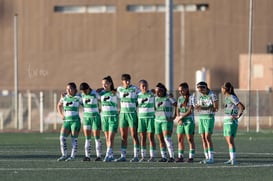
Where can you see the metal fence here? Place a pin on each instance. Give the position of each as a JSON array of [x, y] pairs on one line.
[[37, 111]]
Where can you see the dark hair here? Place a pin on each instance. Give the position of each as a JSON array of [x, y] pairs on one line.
[[229, 88], [162, 86], [202, 84], [84, 86], [185, 86], [110, 80], [125, 77], [143, 82], [72, 85]]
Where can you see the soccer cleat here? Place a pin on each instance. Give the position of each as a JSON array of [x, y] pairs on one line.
[[234, 162], [209, 161], [120, 159], [111, 158], [86, 159], [163, 160], [98, 159], [135, 159], [171, 160], [190, 160], [231, 162], [228, 162], [152, 159], [179, 160], [105, 159], [62, 158], [108, 159], [142, 160], [70, 159]]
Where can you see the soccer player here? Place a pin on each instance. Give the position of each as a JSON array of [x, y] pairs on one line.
[[146, 115], [206, 105], [185, 124], [91, 120], [164, 122], [127, 94], [233, 110], [109, 115], [68, 109]]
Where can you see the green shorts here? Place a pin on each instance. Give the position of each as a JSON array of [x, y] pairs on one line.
[[187, 127], [206, 123], [230, 127], [72, 126], [93, 122], [163, 126], [128, 120], [146, 125], [109, 123]]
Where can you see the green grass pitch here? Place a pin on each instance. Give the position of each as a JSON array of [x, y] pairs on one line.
[[32, 157]]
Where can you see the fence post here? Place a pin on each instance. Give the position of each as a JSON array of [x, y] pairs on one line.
[[257, 112], [41, 112], [270, 113], [20, 112], [246, 121], [55, 111], [1, 121], [29, 110]]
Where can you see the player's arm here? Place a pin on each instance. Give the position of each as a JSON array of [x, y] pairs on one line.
[[195, 102], [98, 97], [189, 111], [215, 106], [60, 109], [178, 118], [99, 90], [174, 104], [177, 111], [215, 102], [241, 109]]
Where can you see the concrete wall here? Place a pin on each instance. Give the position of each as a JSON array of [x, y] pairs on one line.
[[56, 48], [261, 72]]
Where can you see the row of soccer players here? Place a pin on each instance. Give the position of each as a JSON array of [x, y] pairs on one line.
[[149, 113]]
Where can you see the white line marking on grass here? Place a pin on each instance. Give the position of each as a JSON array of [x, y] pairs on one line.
[[243, 153], [135, 168]]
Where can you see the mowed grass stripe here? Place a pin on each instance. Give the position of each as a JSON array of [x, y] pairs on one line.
[[136, 168]]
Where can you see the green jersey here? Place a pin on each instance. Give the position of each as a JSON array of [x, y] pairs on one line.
[[109, 103], [146, 104], [184, 107], [163, 109], [128, 98], [231, 108], [71, 106], [90, 104], [206, 102]]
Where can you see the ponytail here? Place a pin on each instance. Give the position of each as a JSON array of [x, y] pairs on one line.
[[110, 80], [229, 88]]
